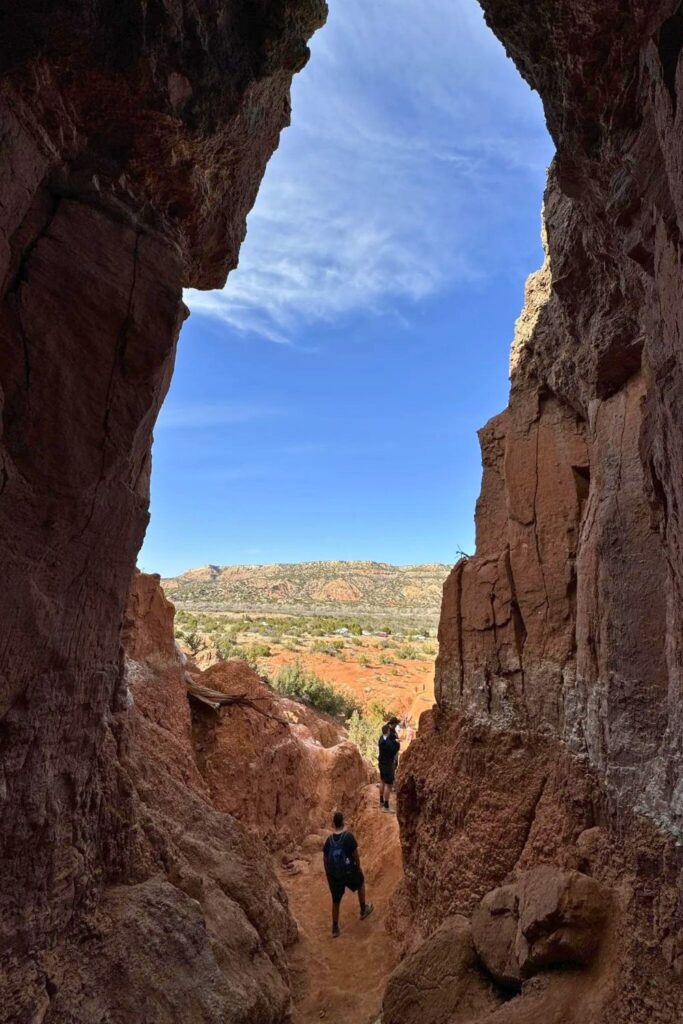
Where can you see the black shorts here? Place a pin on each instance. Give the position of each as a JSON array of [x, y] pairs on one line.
[[386, 774], [353, 881]]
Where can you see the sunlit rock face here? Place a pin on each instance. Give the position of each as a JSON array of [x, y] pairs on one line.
[[134, 138], [558, 736]]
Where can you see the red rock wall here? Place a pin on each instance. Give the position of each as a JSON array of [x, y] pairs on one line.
[[559, 724], [280, 768], [134, 138]]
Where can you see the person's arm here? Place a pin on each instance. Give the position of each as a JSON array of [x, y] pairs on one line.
[[354, 855]]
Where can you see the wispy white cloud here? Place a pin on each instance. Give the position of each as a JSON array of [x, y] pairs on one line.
[[210, 414], [395, 171]]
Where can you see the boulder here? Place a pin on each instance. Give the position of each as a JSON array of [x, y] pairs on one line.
[[548, 917], [440, 981], [495, 924], [561, 917]]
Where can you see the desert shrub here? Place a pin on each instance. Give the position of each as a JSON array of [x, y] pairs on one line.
[[364, 661], [193, 641], [294, 681], [252, 652], [365, 727], [331, 647], [407, 653], [227, 649], [386, 659]]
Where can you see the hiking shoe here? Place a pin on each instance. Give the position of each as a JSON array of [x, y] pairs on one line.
[[367, 910], [335, 931]]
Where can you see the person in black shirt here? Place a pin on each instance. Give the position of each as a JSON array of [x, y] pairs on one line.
[[387, 760], [342, 867]]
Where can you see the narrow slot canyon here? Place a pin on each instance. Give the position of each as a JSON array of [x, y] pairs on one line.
[[162, 824]]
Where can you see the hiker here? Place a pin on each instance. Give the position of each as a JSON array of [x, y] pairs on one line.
[[342, 867], [387, 761]]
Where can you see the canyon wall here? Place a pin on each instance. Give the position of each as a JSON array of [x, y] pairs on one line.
[[134, 138], [199, 928], [558, 732]]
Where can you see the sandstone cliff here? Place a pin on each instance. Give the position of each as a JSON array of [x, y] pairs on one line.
[[200, 927], [558, 735], [134, 138]]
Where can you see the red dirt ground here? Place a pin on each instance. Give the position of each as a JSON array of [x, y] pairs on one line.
[[410, 691]]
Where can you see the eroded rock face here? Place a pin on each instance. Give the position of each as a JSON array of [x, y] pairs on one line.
[[279, 767], [134, 139], [560, 640], [200, 925], [200, 929]]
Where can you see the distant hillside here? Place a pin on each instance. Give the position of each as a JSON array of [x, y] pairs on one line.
[[359, 589]]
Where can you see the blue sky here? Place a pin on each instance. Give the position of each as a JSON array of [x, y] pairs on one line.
[[325, 403]]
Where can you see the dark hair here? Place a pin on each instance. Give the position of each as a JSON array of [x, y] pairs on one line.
[[385, 729], [338, 819]]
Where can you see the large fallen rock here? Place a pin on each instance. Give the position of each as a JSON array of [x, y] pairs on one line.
[[547, 918], [495, 924], [440, 981], [561, 918]]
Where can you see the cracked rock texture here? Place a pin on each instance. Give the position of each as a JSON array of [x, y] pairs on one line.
[[280, 767], [134, 138], [558, 733]]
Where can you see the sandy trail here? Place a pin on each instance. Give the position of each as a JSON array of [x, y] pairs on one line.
[[341, 981]]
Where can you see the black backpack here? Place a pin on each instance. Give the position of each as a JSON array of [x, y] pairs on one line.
[[338, 863]]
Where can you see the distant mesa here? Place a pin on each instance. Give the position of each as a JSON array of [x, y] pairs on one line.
[[368, 589]]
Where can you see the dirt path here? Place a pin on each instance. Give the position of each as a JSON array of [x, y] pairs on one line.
[[341, 981]]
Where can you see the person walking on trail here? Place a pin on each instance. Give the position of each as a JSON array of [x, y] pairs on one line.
[[342, 867], [387, 761]]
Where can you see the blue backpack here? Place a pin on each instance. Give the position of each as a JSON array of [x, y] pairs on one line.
[[338, 863]]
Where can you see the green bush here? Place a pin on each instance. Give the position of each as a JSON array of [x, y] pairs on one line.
[[364, 661], [365, 728], [193, 641], [294, 681], [408, 654], [331, 647], [227, 649], [386, 659]]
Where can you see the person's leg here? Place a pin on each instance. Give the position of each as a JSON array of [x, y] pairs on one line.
[[335, 917], [365, 908]]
